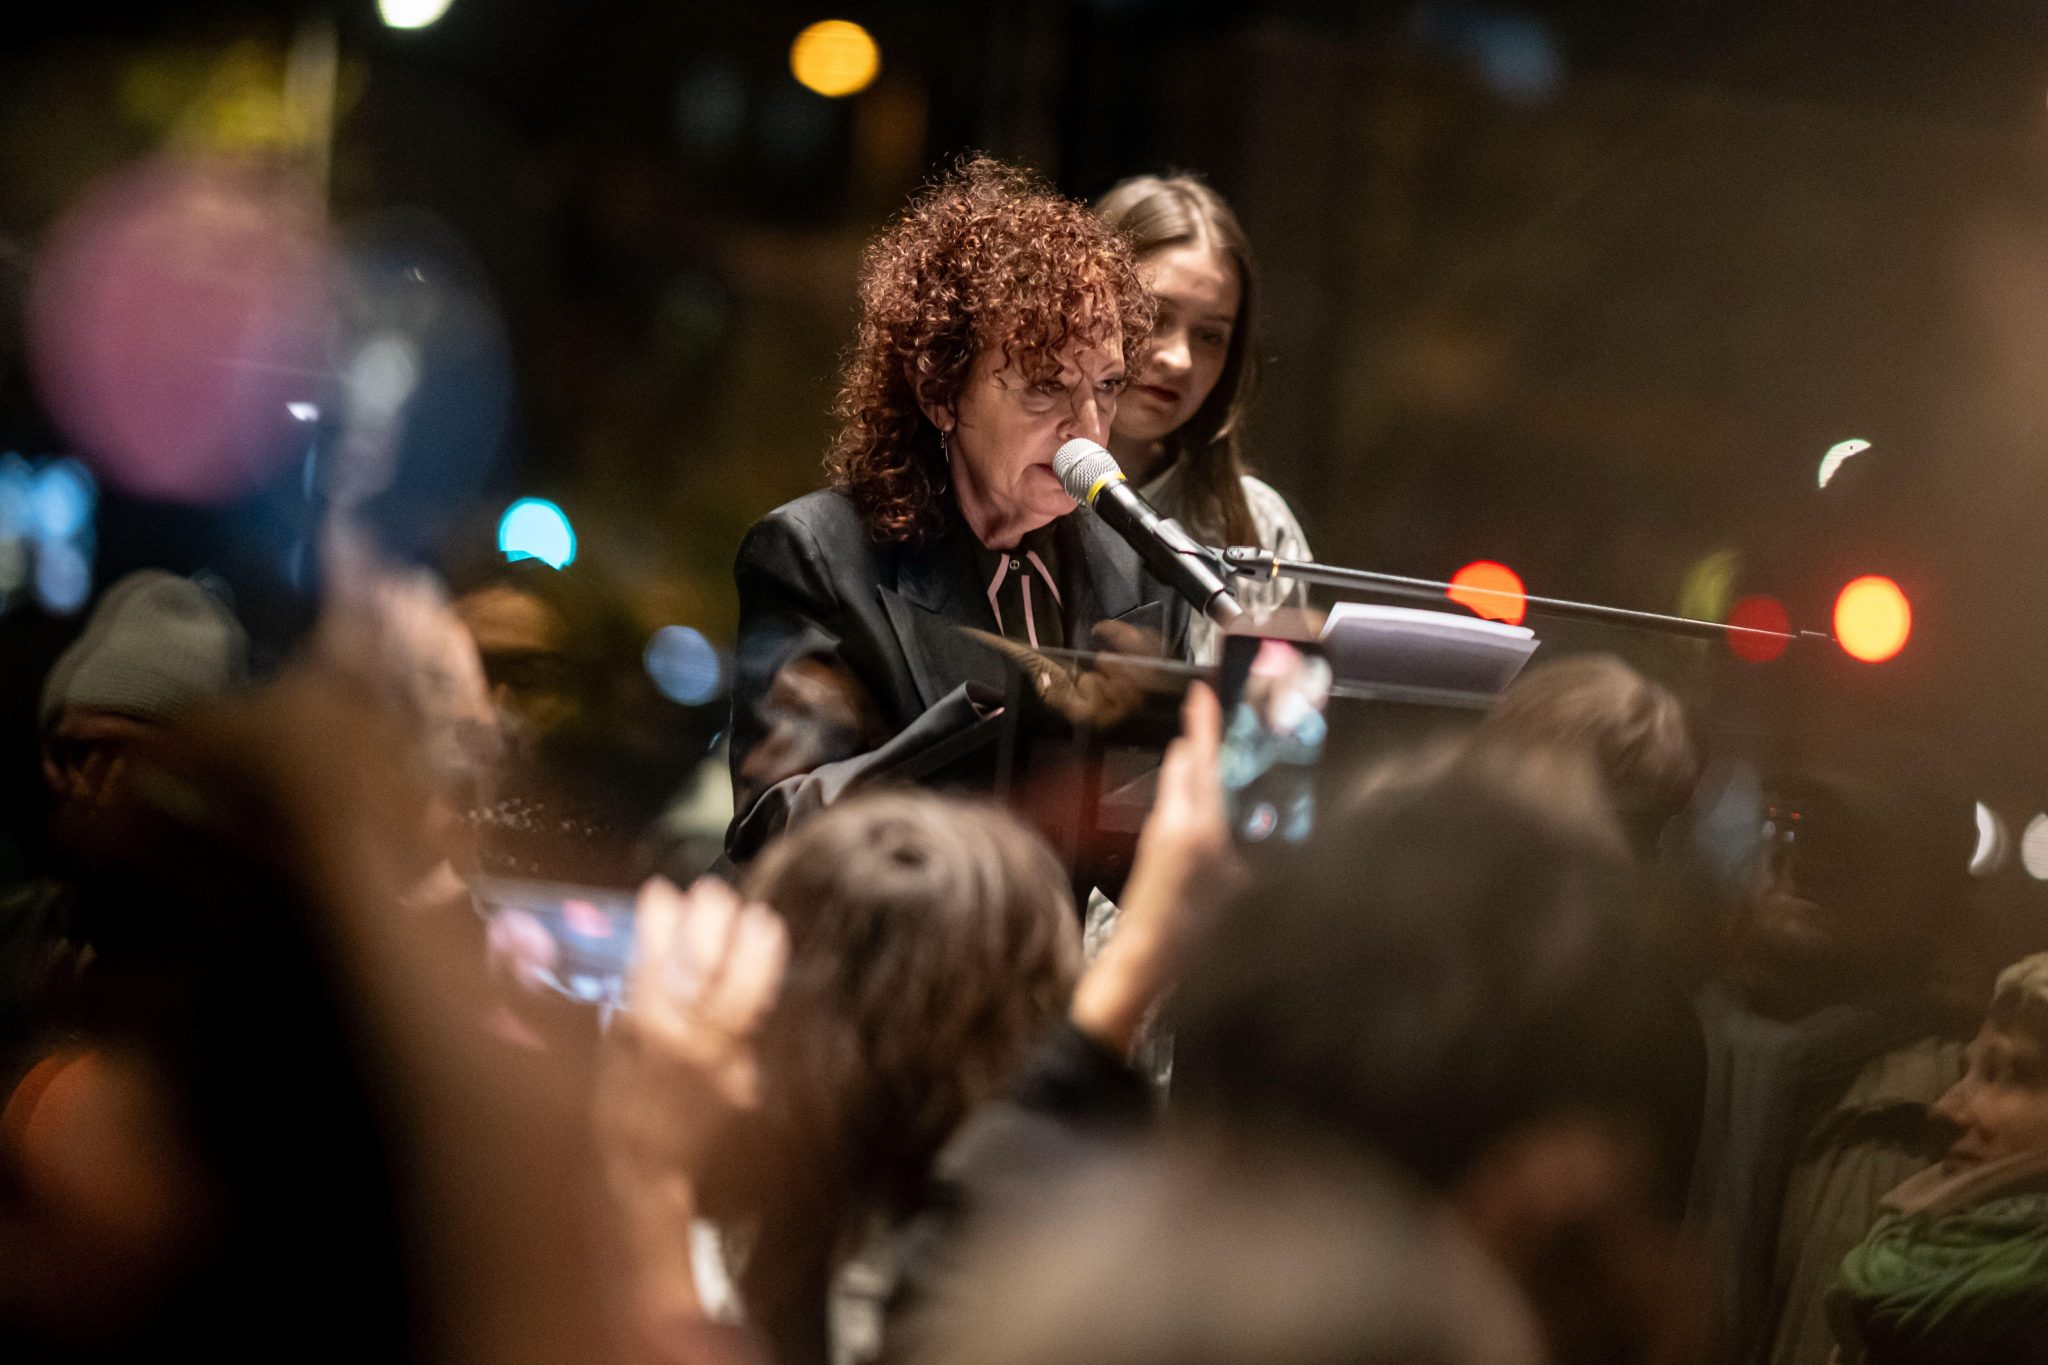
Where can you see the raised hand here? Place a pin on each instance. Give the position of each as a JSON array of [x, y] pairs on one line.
[[1185, 868], [679, 1060]]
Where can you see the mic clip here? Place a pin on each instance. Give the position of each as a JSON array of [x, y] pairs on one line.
[[1181, 543], [1248, 561]]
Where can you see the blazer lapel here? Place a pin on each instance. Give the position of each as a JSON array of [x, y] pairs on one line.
[[935, 595], [1108, 582], [933, 599]]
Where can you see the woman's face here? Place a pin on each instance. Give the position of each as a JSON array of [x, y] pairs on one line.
[[1198, 291], [1004, 430], [2000, 1106]]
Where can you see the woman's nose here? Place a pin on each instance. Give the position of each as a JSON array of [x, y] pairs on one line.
[[1090, 416], [1954, 1105], [1170, 354]]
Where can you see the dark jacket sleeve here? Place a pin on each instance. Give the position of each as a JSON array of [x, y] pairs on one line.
[[1076, 1104], [806, 727]]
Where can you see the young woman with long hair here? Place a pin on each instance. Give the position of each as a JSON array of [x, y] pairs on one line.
[[1179, 430]]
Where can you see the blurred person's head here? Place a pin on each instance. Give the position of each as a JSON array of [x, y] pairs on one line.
[[1189, 391], [517, 613], [932, 942], [1634, 729], [997, 322], [1455, 973], [589, 759], [288, 1135], [154, 646], [399, 636], [2000, 1105], [1858, 887], [1187, 1257], [1449, 957]]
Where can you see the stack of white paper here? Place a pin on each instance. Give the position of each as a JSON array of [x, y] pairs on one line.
[[1413, 647]]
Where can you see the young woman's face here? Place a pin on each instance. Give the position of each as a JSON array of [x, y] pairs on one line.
[[2000, 1105], [1199, 293]]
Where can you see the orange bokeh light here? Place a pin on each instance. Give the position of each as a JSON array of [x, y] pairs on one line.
[[1758, 613], [1491, 590], [1872, 619]]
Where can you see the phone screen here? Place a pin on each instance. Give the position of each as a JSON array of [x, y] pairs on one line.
[[575, 941], [1275, 696]]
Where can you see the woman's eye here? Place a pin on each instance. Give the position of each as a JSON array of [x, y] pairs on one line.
[[1213, 338]]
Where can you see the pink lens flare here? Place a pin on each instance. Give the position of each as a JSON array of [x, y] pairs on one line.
[[178, 309]]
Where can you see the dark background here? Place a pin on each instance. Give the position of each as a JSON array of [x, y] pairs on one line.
[[1584, 287]]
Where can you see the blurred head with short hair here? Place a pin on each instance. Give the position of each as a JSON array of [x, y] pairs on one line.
[[1858, 887], [1452, 957], [1456, 974], [932, 942], [1194, 1257], [2000, 1106], [1633, 729]]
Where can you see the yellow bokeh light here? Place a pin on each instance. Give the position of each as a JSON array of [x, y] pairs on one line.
[[835, 57], [1873, 619]]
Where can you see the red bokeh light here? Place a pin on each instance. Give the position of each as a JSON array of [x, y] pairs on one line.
[[1758, 613], [1491, 590]]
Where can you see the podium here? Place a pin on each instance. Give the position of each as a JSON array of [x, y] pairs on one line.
[[1088, 787]]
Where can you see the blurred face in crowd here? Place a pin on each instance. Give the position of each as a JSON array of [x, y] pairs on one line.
[[2000, 1105], [1198, 292], [86, 755], [520, 640], [1827, 905], [1005, 428]]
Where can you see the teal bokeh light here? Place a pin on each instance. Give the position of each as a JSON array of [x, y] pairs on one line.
[[534, 528]]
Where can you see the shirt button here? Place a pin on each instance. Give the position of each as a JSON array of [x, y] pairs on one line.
[[1015, 564]]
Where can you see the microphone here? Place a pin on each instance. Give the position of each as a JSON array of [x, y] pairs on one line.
[[1091, 477]]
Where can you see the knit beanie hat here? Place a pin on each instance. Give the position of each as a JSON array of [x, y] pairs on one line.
[[156, 642], [2020, 999]]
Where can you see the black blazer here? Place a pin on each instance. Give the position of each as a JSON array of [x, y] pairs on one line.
[[815, 587]]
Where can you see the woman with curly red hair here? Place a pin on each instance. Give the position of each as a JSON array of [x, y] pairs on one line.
[[996, 321]]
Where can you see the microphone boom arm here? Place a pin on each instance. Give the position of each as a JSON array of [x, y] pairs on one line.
[[1250, 561]]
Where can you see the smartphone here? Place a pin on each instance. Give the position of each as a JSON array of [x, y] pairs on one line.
[[573, 941], [1276, 697]]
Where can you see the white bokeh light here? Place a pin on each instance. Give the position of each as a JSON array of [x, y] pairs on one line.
[[411, 13], [1993, 843], [2034, 848], [1838, 455]]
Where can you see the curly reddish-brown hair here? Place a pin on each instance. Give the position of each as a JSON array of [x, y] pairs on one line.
[[990, 256]]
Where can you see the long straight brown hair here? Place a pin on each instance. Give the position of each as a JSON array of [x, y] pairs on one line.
[[1153, 212]]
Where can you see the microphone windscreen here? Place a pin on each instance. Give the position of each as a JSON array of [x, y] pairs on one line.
[[1081, 465]]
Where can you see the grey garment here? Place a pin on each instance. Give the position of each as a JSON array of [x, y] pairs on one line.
[[1771, 1088], [1882, 1133], [1278, 531], [855, 1303], [156, 642], [1098, 922], [1152, 1053]]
